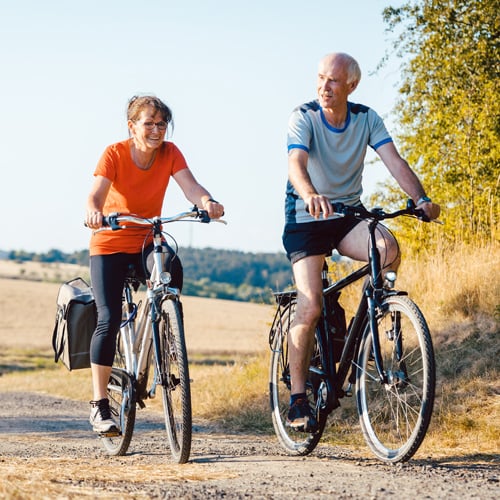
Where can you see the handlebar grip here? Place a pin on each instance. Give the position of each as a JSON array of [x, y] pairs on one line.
[[110, 221], [338, 207], [420, 214]]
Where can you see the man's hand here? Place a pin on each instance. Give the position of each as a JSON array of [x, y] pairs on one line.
[[318, 204], [432, 210]]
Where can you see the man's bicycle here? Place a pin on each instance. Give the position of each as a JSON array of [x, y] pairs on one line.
[[151, 348], [386, 355]]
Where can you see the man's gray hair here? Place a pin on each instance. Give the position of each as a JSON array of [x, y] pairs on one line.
[[353, 69]]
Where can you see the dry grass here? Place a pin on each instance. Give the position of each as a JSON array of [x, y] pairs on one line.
[[94, 477], [457, 289]]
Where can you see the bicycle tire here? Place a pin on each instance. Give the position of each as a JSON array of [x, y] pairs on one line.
[[395, 416], [294, 442], [122, 402], [176, 391]]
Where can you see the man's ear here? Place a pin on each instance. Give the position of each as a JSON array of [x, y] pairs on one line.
[[353, 85]]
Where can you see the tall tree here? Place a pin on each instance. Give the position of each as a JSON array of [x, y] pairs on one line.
[[449, 108]]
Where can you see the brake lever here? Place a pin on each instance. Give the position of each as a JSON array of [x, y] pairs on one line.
[[111, 221], [203, 216]]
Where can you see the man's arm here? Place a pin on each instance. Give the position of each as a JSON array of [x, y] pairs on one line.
[[298, 176], [407, 179]]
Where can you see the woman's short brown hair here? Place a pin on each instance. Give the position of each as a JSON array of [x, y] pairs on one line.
[[137, 103]]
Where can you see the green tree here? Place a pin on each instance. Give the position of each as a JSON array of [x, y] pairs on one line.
[[448, 111]]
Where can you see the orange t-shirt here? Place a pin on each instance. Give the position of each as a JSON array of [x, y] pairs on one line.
[[133, 191]]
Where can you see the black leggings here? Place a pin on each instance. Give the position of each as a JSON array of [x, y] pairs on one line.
[[107, 275]]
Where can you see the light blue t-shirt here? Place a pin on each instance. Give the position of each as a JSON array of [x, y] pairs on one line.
[[336, 156]]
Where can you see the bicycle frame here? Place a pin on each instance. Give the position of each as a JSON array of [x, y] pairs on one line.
[[338, 376], [137, 338], [139, 335], [371, 298]]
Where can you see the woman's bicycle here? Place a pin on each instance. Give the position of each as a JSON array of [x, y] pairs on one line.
[[151, 348], [386, 355]]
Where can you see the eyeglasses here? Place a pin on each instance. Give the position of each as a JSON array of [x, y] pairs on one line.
[[151, 125]]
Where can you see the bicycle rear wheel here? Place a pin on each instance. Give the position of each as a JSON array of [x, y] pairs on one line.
[[395, 416], [293, 441], [175, 383], [122, 402]]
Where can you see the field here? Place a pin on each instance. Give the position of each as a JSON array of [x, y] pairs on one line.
[[27, 310], [222, 337]]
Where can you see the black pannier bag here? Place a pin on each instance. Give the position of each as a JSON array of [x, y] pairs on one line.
[[76, 319]]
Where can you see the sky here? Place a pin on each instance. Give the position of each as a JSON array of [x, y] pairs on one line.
[[231, 71]]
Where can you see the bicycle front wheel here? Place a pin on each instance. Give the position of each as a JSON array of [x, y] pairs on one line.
[[394, 416], [122, 403], [293, 441], [175, 383]]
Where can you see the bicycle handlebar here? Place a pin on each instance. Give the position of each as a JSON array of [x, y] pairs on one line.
[[112, 221], [378, 213]]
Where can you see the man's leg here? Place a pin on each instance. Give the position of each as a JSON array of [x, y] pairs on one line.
[[356, 246], [307, 274]]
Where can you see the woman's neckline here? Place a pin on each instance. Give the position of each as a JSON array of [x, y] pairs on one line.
[[140, 165]]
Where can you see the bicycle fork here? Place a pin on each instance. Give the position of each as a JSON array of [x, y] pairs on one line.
[[374, 296], [372, 315]]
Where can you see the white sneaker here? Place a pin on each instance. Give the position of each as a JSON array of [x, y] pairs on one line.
[[100, 418]]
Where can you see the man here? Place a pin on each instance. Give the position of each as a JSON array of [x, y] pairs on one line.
[[327, 141]]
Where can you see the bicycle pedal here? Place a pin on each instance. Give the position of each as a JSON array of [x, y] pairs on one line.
[[111, 433], [304, 428]]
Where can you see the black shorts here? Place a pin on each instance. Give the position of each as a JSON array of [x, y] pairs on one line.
[[316, 238]]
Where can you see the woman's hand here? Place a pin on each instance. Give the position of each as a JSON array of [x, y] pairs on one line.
[[214, 208], [93, 219]]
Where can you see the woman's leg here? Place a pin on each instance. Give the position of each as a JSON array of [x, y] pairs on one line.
[[107, 274]]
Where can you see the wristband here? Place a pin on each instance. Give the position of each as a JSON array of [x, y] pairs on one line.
[[423, 199], [212, 200]]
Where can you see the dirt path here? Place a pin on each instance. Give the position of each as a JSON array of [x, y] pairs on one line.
[[47, 450]]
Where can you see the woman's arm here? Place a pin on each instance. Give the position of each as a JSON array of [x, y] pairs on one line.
[[95, 201], [197, 194]]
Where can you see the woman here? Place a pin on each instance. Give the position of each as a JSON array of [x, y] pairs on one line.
[[131, 177]]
